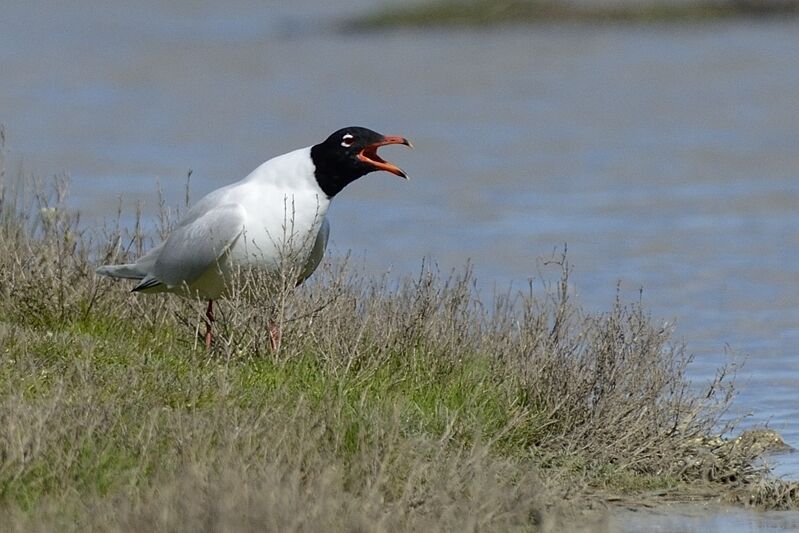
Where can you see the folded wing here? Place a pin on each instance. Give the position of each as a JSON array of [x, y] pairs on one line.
[[191, 249], [195, 245]]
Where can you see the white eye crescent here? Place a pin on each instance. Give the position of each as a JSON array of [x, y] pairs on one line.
[[347, 140]]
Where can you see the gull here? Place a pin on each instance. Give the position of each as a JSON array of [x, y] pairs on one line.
[[276, 213]]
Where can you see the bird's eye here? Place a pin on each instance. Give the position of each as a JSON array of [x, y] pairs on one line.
[[347, 140]]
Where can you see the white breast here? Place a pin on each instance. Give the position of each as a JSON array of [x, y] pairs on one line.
[[285, 210]]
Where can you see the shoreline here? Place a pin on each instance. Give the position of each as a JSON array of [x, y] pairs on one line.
[[486, 13]]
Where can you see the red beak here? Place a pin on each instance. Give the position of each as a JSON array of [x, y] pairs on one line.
[[369, 155]]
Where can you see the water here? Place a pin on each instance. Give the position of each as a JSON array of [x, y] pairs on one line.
[[689, 518], [667, 157]]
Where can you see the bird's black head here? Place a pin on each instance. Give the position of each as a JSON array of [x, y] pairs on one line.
[[349, 154]]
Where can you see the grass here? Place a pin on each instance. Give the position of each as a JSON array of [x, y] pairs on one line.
[[494, 12], [409, 405]]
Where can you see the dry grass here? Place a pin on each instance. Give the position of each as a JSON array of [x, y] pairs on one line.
[[410, 405]]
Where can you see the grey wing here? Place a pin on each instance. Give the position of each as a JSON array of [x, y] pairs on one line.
[[317, 253], [196, 245]]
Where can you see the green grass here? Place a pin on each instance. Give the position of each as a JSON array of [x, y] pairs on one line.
[[115, 422]]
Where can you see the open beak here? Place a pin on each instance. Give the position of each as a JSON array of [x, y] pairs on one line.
[[369, 155]]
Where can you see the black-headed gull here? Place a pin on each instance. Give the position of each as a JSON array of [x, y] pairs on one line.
[[276, 212]]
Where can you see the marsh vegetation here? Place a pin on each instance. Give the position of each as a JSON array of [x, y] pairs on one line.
[[493, 12], [416, 404]]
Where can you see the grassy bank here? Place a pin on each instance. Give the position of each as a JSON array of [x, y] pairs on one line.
[[494, 12], [412, 405]]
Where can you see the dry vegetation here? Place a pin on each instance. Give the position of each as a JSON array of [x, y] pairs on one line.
[[411, 405]]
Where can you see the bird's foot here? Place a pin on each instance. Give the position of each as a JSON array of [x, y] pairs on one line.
[[209, 320], [274, 335]]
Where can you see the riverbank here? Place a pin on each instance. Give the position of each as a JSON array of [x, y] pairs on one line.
[[391, 405], [490, 13]]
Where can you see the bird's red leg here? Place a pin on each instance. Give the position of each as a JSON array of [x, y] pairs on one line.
[[209, 319], [274, 334]]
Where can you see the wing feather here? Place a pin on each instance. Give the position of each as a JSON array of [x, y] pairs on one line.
[[197, 244]]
